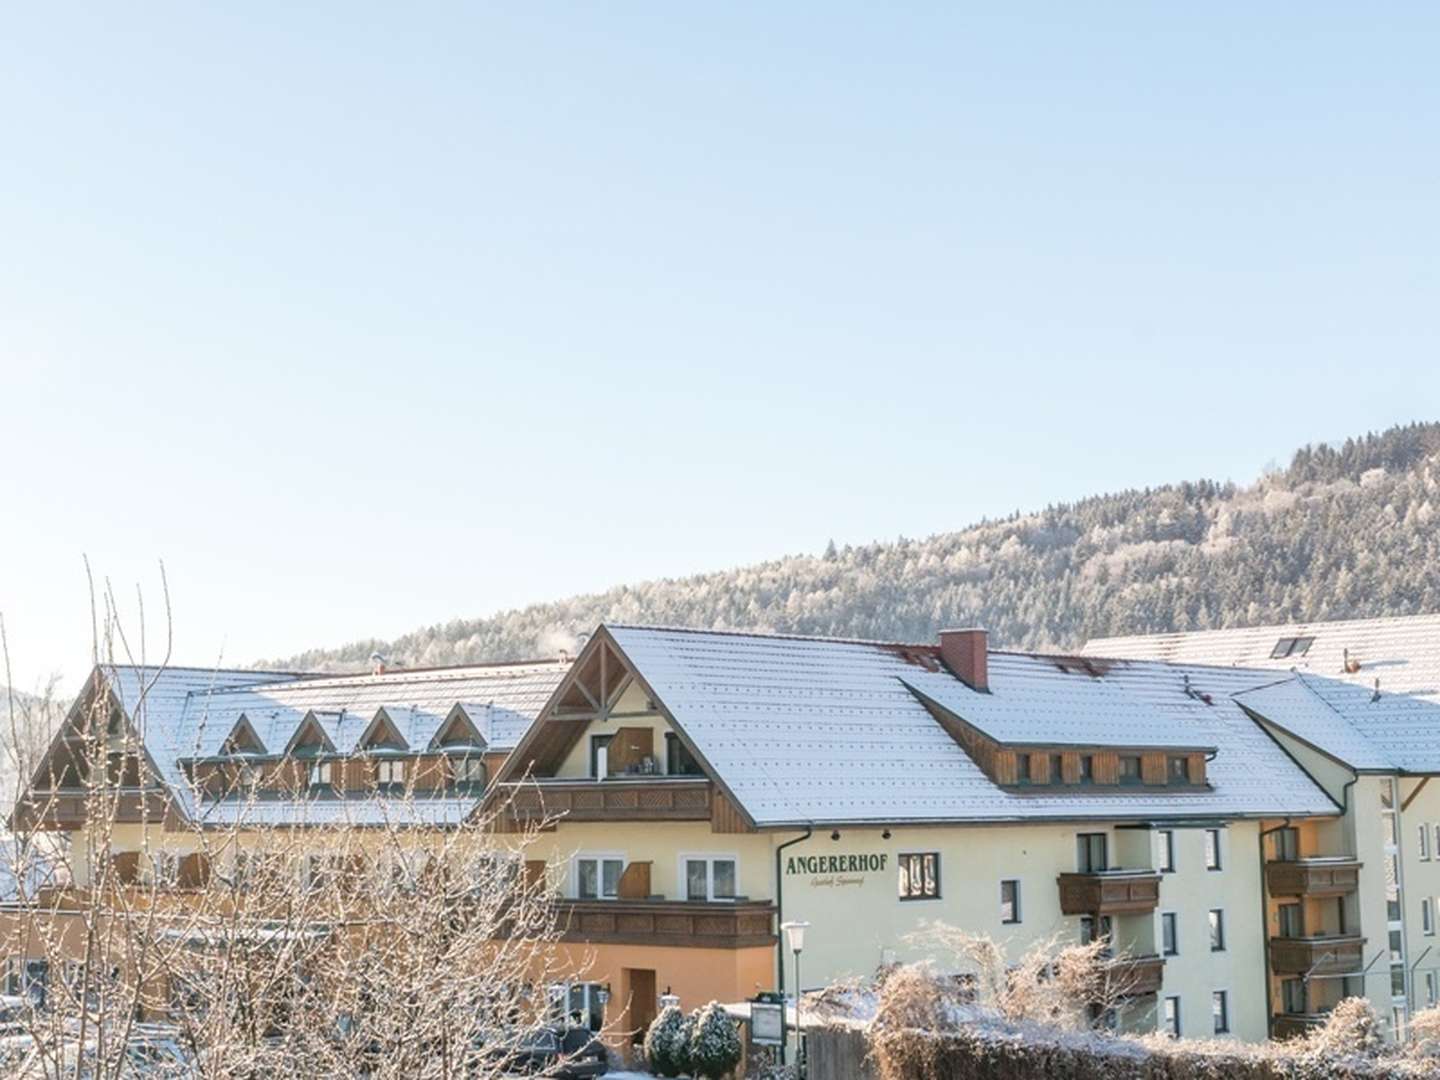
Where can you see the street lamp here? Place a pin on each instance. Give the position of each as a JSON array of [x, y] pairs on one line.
[[795, 936]]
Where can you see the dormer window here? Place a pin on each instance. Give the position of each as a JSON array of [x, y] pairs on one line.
[[320, 774], [1179, 770], [1087, 768], [470, 772], [390, 774], [1022, 768], [1129, 768]]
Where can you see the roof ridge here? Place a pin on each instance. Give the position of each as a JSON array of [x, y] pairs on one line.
[[769, 634]]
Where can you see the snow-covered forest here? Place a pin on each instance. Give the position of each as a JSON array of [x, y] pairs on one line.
[[1344, 531]]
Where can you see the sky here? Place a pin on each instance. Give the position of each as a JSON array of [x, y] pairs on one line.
[[366, 316]]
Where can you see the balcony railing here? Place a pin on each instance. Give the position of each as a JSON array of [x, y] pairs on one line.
[[1334, 954], [1137, 976], [1110, 892], [647, 798], [1313, 877], [694, 924], [1295, 1025]]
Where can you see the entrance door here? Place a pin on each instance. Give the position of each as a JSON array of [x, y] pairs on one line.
[[640, 984]]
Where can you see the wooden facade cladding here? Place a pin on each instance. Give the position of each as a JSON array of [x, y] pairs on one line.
[[1136, 976], [63, 811], [1112, 892], [427, 773], [1295, 1025], [684, 923], [1337, 955], [1313, 877], [725, 816], [651, 799]]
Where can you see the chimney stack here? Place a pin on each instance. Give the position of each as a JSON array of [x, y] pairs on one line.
[[964, 653], [377, 664]]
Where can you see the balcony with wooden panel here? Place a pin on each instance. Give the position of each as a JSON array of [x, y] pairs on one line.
[[1317, 877], [1330, 954], [1136, 976], [1110, 892], [1296, 1025], [700, 924], [616, 798]]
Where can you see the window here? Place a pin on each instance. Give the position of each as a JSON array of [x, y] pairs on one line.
[[1091, 931], [597, 877], [1424, 843], [1427, 916], [390, 774], [1432, 988], [600, 756], [577, 1005], [322, 870], [678, 760], [1172, 1017], [164, 869], [920, 876], [1287, 844], [1212, 849], [27, 978], [320, 773], [1292, 920], [1091, 852], [1217, 930], [1179, 770], [1291, 646], [1167, 851], [1169, 934], [1220, 1011], [1010, 901], [1022, 768], [1087, 769], [1397, 946], [470, 772], [709, 877], [1292, 996], [1129, 768]]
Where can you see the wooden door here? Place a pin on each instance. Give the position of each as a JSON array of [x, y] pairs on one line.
[[640, 985]]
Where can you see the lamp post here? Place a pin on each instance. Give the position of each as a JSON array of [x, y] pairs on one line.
[[795, 936]]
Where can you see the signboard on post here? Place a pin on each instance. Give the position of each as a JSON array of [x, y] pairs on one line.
[[767, 1023]]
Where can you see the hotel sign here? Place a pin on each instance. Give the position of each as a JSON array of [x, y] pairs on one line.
[[831, 871]]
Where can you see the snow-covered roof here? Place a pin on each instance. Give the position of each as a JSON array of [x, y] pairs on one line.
[[1403, 651], [186, 713], [816, 730]]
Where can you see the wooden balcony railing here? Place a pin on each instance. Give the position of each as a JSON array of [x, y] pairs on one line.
[[1137, 976], [618, 799], [1337, 954], [1313, 877], [1295, 1025], [693, 924], [1110, 892]]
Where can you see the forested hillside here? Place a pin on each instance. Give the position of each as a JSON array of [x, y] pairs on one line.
[[1346, 531]]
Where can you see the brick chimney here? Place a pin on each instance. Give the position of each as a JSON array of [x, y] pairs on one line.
[[964, 653]]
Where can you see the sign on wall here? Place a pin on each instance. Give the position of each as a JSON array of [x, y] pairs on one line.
[[836, 871]]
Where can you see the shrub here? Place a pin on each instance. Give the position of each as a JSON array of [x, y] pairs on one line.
[[666, 1042], [714, 1043]]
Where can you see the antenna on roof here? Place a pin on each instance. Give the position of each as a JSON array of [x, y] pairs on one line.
[[1376, 696]]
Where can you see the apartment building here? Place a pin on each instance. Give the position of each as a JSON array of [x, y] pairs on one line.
[[1357, 708]]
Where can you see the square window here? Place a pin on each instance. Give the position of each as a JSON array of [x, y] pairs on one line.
[[320, 773], [1010, 901], [470, 771], [1091, 853], [920, 875], [390, 773], [598, 877], [1282, 648]]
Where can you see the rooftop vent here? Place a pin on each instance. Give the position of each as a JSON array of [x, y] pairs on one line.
[[378, 664], [965, 654]]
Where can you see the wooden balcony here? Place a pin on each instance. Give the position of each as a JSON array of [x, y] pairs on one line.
[[1110, 892], [67, 809], [692, 924], [1339, 954], [649, 798], [1295, 1025], [1313, 877], [1137, 976]]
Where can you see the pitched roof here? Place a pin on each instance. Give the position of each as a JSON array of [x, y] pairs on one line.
[[185, 713], [816, 730], [1403, 652]]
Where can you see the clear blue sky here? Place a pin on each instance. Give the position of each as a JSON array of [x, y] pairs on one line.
[[365, 316]]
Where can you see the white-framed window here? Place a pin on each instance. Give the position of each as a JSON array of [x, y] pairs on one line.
[[470, 770], [709, 877], [320, 772], [1167, 851], [1424, 842], [1220, 1011], [580, 1004], [406, 868], [1212, 849], [498, 868], [390, 772], [321, 870], [919, 875], [1170, 1017], [597, 875], [165, 869]]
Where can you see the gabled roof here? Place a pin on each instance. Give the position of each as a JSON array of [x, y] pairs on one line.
[[382, 731], [1368, 731], [816, 730], [460, 719], [243, 739], [1402, 651]]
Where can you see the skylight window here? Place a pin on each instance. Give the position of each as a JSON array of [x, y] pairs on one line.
[[1291, 646]]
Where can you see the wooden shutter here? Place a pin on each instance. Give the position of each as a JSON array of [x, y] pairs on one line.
[[125, 865], [629, 748], [635, 881], [194, 871]]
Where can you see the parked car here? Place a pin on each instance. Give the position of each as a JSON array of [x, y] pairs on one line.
[[152, 1051], [570, 1053]]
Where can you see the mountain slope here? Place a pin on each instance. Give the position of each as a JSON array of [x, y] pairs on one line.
[[1347, 531]]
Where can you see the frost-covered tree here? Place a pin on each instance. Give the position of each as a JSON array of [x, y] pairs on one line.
[[666, 1046], [714, 1043]]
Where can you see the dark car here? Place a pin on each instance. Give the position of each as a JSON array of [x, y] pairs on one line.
[[569, 1053]]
